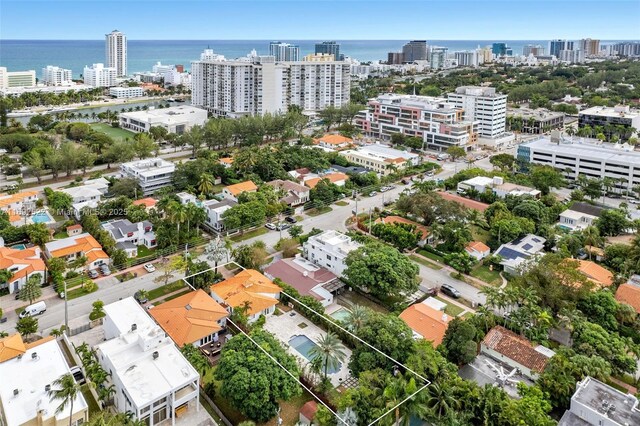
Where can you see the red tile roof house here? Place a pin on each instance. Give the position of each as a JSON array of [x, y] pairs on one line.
[[307, 413], [478, 250], [516, 351], [306, 277], [425, 235]]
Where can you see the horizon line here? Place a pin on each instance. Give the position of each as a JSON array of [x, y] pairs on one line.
[[316, 39]]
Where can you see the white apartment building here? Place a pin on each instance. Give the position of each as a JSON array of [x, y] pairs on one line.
[[284, 51], [581, 156], [56, 76], [116, 52], [28, 371], [467, 58], [151, 174], [439, 123], [259, 84], [99, 76], [620, 115], [598, 404], [126, 92], [574, 56], [381, 159], [483, 105], [329, 250], [9, 79], [178, 119], [153, 380], [161, 68]]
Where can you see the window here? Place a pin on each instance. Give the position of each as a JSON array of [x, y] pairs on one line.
[[328, 257]]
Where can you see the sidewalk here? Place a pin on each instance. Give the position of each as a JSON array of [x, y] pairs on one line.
[[468, 278], [9, 303]]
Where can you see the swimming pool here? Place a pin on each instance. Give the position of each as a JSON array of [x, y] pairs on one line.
[[342, 314], [19, 247], [41, 217], [303, 345]]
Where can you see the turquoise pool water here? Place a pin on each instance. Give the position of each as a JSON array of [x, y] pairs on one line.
[[41, 217], [341, 314], [19, 247], [303, 345]]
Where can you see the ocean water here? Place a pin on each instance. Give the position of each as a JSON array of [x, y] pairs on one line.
[[19, 55]]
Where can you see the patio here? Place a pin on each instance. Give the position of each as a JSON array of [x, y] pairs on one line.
[[212, 350], [292, 324]]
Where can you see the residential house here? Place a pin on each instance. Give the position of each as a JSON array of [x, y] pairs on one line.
[[425, 236], [129, 236], [579, 216], [151, 174], [629, 293], [215, 209], [478, 250], [597, 404], [232, 192], [599, 275], [338, 179], [307, 278], [517, 252], [299, 174], [193, 318], [148, 203], [19, 205], [22, 264], [333, 142], [294, 195], [329, 250], [465, 202], [516, 351], [101, 184], [152, 379], [426, 322], [81, 197], [497, 185], [227, 162], [28, 371], [73, 248], [248, 288]]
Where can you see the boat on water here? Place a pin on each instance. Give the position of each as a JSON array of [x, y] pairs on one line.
[[22, 113]]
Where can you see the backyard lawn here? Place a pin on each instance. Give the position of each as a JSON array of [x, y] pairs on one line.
[[143, 251], [451, 309], [479, 234], [114, 132], [431, 256], [483, 273], [424, 262], [165, 289]]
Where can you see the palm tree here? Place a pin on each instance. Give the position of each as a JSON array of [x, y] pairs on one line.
[[329, 351], [205, 185], [32, 289], [357, 318], [67, 391], [106, 393], [592, 237], [396, 390], [441, 401], [178, 215]]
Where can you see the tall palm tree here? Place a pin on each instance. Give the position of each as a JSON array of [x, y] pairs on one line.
[[205, 185], [178, 215], [357, 318], [396, 390], [67, 391], [329, 351], [440, 400], [592, 237]]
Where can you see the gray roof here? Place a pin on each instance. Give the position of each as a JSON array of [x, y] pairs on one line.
[[126, 245], [120, 228], [609, 402], [587, 208], [214, 204], [570, 419]]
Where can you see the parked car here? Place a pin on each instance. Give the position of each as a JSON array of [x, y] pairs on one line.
[[149, 268], [270, 226], [450, 291], [405, 181], [33, 310], [373, 194], [93, 274], [105, 270], [384, 189], [283, 226], [140, 297], [290, 219], [78, 375]]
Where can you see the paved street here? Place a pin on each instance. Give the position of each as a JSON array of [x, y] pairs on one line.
[[110, 290]]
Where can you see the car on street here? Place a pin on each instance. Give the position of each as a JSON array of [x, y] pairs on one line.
[[93, 274], [149, 268], [270, 226], [141, 298], [283, 226], [104, 269], [373, 194], [450, 291], [291, 219]]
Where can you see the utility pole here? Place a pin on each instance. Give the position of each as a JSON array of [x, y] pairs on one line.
[[66, 309], [369, 220]]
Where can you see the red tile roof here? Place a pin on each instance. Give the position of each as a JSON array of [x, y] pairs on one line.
[[515, 347], [630, 294], [468, 203]]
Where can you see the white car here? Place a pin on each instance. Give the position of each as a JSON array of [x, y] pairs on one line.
[[270, 226], [149, 268]]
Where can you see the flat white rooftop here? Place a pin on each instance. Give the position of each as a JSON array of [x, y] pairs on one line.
[[173, 114], [387, 152], [144, 377], [617, 111], [336, 239], [577, 147], [30, 376], [149, 167]]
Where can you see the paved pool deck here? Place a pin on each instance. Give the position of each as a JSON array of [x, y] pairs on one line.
[[286, 326]]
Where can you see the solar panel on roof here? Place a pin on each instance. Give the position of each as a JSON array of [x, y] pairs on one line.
[[527, 246], [536, 240], [510, 254]]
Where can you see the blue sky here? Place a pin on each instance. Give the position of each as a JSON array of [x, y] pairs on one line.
[[321, 19]]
